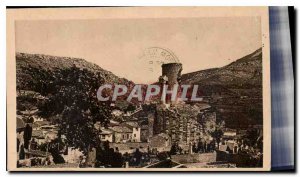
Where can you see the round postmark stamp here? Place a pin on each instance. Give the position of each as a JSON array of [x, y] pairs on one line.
[[154, 57]]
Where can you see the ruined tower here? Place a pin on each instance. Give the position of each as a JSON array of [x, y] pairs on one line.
[[171, 75], [174, 118], [172, 71]]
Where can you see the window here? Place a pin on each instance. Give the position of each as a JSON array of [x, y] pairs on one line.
[[134, 135]]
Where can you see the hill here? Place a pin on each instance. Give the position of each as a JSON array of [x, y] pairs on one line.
[[39, 77], [32, 68], [243, 74]]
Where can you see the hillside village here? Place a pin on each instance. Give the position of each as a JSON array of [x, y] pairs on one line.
[[148, 135]]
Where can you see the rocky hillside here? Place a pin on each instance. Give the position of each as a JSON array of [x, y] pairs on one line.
[[40, 77], [244, 73], [31, 68]]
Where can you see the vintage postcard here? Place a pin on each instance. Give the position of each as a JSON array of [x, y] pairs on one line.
[[138, 89]]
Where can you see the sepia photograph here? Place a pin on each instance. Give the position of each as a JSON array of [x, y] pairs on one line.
[[139, 89]]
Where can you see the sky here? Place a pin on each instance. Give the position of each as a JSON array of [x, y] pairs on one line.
[[121, 45]]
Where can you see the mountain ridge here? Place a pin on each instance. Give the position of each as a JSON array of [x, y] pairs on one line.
[[26, 63], [243, 73]]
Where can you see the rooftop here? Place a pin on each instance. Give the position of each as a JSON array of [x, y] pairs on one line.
[[121, 129]]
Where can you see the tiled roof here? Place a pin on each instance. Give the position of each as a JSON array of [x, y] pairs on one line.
[[121, 129], [132, 124], [105, 132]]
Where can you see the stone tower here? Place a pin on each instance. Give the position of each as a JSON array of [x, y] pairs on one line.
[[172, 71], [171, 75]]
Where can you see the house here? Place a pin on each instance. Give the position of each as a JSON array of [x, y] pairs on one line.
[[38, 136], [128, 131], [106, 135], [229, 147], [121, 134], [233, 147], [136, 134], [98, 125], [224, 148], [37, 118], [42, 136], [136, 130]]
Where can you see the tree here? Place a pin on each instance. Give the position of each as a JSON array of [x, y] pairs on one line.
[[214, 127], [217, 133], [22, 153], [253, 137], [107, 157], [74, 97], [131, 107], [27, 135], [175, 149], [54, 147]]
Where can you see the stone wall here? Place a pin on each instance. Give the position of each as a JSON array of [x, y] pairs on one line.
[[180, 123]]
